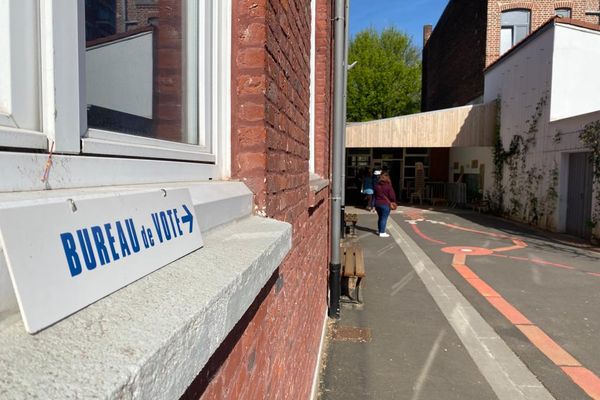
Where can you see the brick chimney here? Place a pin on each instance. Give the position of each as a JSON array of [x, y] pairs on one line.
[[427, 29]]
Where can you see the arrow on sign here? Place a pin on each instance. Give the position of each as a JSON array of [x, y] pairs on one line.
[[188, 217]]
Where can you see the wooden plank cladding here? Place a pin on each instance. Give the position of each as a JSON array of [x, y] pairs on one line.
[[466, 126]]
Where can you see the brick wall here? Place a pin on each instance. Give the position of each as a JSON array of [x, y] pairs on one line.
[[324, 86], [272, 353], [169, 71], [541, 12], [137, 11], [168, 101], [454, 56]]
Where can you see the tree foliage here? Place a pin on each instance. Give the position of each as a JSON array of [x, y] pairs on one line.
[[386, 81]]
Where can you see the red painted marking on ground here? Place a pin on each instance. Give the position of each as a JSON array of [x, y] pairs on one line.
[[499, 255], [468, 250], [424, 236], [510, 248], [585, 379], [542, 262], [537, 261], [459, 258], [465, 271], [509, 312], [549, 347], [519, 244], [519, 258], [483, 288]]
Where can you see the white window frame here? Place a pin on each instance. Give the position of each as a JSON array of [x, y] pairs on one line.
[[198, 81], [89, 157], [20, 120]]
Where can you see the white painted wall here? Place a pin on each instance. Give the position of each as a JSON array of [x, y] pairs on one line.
[[520, 81], [119, 75], [465, 155], [576, 72]]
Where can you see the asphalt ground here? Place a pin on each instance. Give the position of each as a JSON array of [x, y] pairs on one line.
[[413, 352], [549, 290]]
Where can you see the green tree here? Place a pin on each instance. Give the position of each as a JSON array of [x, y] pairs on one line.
[[386, 82]]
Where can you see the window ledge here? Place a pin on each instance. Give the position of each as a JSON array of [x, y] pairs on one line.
[[150, 339], [316, 184]]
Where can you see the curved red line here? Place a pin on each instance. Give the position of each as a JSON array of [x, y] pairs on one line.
[[424, 236]]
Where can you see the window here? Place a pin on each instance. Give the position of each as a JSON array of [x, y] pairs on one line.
[[515, 27], [20, 100], [113, 93], [563, 12], [150, 81]]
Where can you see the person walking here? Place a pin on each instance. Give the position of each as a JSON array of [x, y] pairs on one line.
[[367, 188], [385, 201]]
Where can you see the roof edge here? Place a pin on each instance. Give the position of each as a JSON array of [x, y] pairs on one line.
[[547, 25]]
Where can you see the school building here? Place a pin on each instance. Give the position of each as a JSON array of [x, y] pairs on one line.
[[226, 101]]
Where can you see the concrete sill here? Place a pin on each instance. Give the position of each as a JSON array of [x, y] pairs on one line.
[[150, 339], [316, 184]]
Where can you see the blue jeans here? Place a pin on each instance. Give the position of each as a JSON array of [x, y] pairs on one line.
[[383, 212]]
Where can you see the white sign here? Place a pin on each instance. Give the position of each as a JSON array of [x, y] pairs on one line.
[[63, 255]]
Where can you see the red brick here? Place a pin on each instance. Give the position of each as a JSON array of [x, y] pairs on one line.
[[251, 58], [254, 34], [251, 84], [270, 136], [252, 112]]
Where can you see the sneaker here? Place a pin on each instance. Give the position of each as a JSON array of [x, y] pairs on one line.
[[384, 234]]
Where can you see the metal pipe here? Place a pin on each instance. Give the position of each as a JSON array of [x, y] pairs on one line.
[[337, 160], [346, 20]]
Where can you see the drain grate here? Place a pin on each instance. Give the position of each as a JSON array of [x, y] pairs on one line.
[[352, 334]]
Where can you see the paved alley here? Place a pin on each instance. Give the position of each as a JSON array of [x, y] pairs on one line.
[[459, 305]]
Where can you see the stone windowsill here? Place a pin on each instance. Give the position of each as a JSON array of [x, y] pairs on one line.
[[316, 184], [150, 339]]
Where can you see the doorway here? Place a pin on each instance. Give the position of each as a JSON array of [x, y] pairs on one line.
[[579, 195]]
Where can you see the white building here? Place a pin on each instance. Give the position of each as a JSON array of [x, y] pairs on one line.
[[547, 88]]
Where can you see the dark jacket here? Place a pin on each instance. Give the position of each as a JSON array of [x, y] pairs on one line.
[[383, 190]]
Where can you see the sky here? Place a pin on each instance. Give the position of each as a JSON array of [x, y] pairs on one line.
[[408, 16]]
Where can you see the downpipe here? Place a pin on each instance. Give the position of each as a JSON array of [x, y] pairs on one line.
[[339, 124]]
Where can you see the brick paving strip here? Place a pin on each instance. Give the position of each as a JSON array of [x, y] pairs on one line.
[[508, 376]]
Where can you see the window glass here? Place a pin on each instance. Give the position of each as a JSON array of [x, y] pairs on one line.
[[520, 33], [515, 27], [19, 65], [515, 17], [505, 40], [563, 12], [139, 75]]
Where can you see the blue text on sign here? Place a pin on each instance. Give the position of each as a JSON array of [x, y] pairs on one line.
[[109, 242]]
